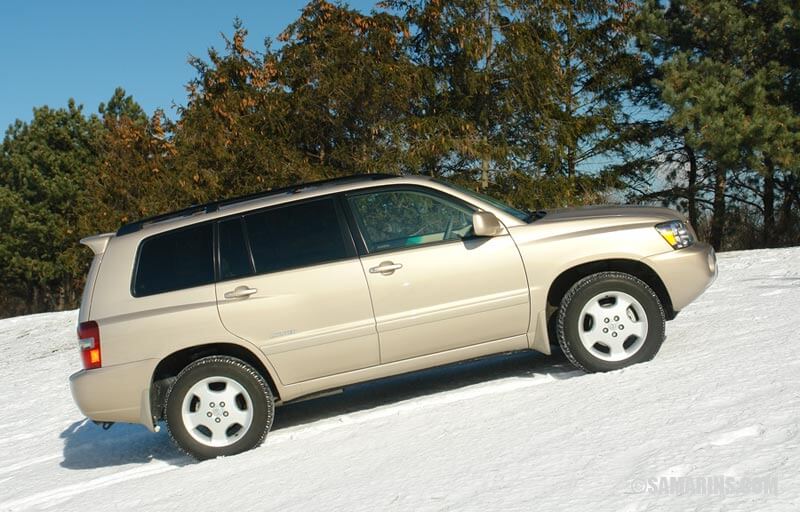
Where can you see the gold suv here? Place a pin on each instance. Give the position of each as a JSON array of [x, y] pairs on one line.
[[211, 316]]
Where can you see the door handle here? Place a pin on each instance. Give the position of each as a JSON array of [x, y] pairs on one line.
[[240, 292], [386, 268]]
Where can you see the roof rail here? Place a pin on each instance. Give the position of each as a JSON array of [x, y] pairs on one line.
[[213, 206]]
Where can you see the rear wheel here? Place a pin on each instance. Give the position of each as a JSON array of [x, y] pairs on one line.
[[219, 406], [610, 320]]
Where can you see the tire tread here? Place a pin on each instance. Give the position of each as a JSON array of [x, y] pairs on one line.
[[241, 365], [588, 281]]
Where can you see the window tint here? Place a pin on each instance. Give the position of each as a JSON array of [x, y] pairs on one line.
[[405, 218], [175, 260], [521, 215], [296, 235], [234, 259]]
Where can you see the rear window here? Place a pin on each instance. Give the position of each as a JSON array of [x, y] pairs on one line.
[[175, 260], [296, 236]]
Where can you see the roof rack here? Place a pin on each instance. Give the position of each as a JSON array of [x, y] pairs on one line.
[[213, 206]]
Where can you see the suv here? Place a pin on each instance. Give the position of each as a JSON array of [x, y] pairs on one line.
[[211, 316]]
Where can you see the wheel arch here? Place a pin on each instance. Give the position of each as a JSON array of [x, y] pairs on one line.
[[170, 366], [567, 278]]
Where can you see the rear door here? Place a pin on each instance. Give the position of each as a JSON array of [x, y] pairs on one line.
[[434, 286], [291, 283]]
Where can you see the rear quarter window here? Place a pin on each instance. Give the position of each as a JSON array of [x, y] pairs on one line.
[[174, 261]]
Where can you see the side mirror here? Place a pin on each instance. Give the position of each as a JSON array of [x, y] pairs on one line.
[[486, 224]]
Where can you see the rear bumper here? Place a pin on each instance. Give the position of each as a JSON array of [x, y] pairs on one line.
[[686, 273], [119, 393]]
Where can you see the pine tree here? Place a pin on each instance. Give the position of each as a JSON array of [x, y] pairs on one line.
[[722, 72], [350, 85], [455, 127], [231, 137], [136, 176], [44, 167], [570, 66]]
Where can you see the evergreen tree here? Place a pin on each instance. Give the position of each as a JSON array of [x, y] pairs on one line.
[[44, 167], [571, 66], [331, 101], [231, 136], [517, 91], [543, 104], [723, 78], [350, 85], [136, 176], [455, 129]]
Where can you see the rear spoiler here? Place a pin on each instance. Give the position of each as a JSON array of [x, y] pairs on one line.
[[97, 243]]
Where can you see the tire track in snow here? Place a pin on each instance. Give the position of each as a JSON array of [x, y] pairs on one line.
[[18, 437], [28, 462], [55, 496], [415, 404]]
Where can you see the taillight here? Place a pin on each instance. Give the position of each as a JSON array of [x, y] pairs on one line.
[[89, 344]]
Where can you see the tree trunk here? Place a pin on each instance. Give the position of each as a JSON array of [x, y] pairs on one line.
[[570, 162], [718, 219], [485, 173], [786, 206], [60, 298], [484, 166], [692, 188], [768, 236], [490, 7]]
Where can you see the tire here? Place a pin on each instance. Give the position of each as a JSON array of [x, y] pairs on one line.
[[219, 406], [610, 320]]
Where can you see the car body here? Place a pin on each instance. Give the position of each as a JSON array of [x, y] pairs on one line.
[[310, 288]]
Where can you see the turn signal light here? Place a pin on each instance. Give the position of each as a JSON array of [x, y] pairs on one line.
[[676, 234], [89, 344]]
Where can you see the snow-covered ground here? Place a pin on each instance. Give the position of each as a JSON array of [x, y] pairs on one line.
[[519, 432]]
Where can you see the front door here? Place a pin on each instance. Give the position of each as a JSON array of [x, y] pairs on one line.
[[434, 286], [291, 283]]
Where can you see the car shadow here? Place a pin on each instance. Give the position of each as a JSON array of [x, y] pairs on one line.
[[422, 383], [89, 446]]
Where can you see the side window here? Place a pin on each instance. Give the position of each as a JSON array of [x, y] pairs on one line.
[[296, 235], [403, 218], [234, 258], [175, 260]]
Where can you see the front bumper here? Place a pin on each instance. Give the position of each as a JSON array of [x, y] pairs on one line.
[[686, 273], [119, 393]]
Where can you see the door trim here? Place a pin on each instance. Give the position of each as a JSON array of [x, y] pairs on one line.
[[453, 310], [300, 389]]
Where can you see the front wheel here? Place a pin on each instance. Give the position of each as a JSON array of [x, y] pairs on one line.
[[610, 320], [219, 406]]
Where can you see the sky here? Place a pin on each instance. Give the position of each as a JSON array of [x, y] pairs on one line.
[[51, 50]]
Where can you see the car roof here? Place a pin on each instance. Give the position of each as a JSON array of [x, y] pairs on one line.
[[248, 202]]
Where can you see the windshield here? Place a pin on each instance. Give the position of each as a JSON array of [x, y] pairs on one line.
[[521, 215]]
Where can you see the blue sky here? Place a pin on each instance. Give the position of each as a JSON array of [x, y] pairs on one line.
[[51, 50]]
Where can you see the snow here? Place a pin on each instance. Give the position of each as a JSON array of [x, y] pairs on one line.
[[514, 432]]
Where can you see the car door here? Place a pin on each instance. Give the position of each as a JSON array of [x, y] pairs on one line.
[[434, 286], [290, 282]]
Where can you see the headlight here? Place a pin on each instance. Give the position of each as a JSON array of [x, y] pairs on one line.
[[676, 234]]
